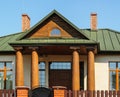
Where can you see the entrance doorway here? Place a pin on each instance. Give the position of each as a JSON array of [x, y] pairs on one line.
[[60, 74]]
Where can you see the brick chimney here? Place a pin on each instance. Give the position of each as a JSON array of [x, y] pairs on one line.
[[25, 22], [93, 21]]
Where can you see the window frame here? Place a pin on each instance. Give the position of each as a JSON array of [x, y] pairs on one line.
[[40, 70], [117, 71], [5, 70], [60, 67], [55, 35]]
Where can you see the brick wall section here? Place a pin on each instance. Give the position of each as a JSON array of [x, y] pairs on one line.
[[59, 91], [25, 22], [22, 92]]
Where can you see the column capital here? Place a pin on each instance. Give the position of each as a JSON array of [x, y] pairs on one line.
[[74, 47], [33, 48], [18, 48], [90, 48]]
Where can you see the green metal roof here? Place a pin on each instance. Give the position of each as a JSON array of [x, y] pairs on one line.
[[109, 40], [4, 42]]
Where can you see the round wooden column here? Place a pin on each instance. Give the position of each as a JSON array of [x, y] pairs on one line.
[[75, 72], [34, 70], [19, 69], [90, 70]]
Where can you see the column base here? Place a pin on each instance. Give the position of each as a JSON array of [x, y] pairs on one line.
[[59, 91], [22, 91]]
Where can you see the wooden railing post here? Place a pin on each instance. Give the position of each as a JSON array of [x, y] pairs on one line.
[[7, 93]]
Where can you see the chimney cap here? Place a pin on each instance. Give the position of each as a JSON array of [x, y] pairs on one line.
[[93, 14], [26, 15]]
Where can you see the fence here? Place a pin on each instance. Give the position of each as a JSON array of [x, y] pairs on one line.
[[69, 93], [92, 93], [6, 93]]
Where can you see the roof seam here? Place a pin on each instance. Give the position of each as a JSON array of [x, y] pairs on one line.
[[97, 36], [117, 38], [111, 40], [5, 41], [104, 40]]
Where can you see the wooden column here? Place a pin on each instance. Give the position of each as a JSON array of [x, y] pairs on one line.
[[117, 79], [75, 71], [19, 69], [90, 70], [34, 70]]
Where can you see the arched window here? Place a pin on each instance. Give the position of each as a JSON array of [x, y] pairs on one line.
[[55, 32]]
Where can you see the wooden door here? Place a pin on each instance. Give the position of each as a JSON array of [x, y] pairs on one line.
[[60, 77]]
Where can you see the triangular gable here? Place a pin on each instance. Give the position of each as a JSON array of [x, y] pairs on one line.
[[54, 19]]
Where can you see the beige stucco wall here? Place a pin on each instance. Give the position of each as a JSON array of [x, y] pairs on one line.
[[27, 70], [101, 73], [102, 70]]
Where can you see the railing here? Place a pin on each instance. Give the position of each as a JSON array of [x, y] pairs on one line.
[[69, 93], [98, 93], [7, 93]]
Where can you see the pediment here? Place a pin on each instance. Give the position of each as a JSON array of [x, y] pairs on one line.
[[46, 31], [53, 21]]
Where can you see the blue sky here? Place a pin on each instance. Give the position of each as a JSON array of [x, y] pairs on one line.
[[77, 11]]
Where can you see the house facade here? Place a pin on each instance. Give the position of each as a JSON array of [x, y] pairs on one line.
[[55, 52]]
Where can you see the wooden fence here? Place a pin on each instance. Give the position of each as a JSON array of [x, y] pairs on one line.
[[70, 93], [7, 93]]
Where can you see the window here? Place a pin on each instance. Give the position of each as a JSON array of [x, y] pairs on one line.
[[42, 74], [6, 81], [114, 72], [55, 32], [60, 65]]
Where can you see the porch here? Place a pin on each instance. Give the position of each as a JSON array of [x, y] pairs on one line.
[[74, 74]]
